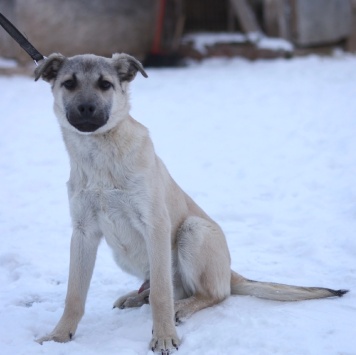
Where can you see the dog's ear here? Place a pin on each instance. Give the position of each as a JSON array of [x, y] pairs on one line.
[[49, 68], [127, 66]]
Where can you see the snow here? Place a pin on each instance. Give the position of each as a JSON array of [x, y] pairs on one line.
[[267, 148], [202, 40], [275, 44], [7, 63]]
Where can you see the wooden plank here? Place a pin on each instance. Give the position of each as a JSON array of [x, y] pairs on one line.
[[270, 18], [283, 18], [351, 41], [231, 18], [276, 18], [245, 16]]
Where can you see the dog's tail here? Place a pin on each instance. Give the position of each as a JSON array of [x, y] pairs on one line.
[[279, 292]]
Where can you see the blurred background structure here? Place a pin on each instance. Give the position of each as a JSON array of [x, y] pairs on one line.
[[163, 31]]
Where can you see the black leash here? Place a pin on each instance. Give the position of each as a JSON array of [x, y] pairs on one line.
[[20, 39]]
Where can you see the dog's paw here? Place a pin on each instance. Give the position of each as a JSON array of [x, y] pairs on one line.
[[164, 345], [133, 299], [58, 337], [181, 313]]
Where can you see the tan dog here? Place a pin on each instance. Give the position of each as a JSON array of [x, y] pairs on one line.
[[118, 188]]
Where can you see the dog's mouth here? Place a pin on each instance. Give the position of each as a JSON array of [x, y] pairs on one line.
[[86, 126], [87, 117]]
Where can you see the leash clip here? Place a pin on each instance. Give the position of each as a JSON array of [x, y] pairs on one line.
[[36, 62]]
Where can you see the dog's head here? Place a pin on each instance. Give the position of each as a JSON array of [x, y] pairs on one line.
[[90, 92]]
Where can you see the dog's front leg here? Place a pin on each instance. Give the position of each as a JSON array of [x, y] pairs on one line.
[[164, 337], [83, 251]]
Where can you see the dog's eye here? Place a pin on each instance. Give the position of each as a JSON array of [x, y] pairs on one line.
[[69, 84], [105, 85]]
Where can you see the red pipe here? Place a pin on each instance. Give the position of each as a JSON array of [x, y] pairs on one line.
[[156, 47]]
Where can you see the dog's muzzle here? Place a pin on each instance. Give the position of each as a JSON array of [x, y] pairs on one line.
[[87, 117]]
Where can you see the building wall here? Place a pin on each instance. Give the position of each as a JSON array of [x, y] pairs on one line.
[[81, 26], [321, 21]]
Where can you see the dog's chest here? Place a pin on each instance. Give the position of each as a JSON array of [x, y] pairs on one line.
[[120, 218], [120, 212], [110, 192]]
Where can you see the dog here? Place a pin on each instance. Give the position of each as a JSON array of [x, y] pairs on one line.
[[120, 189]]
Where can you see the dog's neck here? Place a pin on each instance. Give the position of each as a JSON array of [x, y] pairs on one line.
[[114, 153]]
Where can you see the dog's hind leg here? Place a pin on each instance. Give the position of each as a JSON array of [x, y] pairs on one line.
[[203, 265]]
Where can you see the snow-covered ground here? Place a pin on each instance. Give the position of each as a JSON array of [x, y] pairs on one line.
[[267, 148]]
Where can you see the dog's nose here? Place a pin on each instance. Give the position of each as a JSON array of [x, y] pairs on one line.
[[86, 109]]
